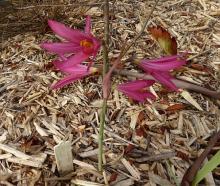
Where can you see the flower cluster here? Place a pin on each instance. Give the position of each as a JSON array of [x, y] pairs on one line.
[[80, 46], [160, 70]]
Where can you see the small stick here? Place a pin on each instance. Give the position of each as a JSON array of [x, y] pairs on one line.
[[156, 157], [105, 69]]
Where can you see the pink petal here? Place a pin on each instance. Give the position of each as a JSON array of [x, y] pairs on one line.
[[135, 85], [164, 59], [61, 48], [162, 66], [66, 32], [88, 25], [139, 96], [96, 46], [77, 69], [165, 79], [67, 80], [71, 61]]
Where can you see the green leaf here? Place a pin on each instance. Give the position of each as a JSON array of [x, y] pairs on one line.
[[208, 167]]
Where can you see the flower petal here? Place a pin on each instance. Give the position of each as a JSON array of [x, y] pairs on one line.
[[162, 66], [164, 59], [66, 32], [67, 80], [77, 69], [61, 48], [88, 25], [165, 79], [135, 85], [139, 96], [96, 46], [71, 61]]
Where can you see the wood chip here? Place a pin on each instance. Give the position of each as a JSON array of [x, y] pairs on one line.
[[186, 95], [64, 157], [158, 180], [13, 151], [131, 169]]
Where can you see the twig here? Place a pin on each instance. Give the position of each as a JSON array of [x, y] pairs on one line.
[[156, 157], [109, 133], [105, 69], [179, 83], [193, 169], [101, 133]]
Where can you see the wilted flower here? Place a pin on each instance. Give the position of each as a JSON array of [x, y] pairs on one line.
[[159, 68], [82, 44], [136, 89]]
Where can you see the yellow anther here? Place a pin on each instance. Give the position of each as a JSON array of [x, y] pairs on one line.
[[86, 43]]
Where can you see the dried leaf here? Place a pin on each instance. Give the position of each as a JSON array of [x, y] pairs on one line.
[[113, 177], [175, 107], [186, 95], [139, 132], [199, 67], [165, 40], [129, 148]]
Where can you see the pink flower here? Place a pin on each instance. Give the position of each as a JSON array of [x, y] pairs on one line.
[[136, 89], [74, 73], [82, 44], [159, 68]]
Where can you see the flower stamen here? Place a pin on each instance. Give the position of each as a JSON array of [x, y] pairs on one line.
[[85, 43]]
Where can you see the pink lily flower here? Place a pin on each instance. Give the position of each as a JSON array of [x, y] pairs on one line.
[[159, 68], [80, 43], [136, 89], [74, 74]]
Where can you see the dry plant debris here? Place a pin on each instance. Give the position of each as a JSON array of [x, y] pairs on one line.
[[140, 140]]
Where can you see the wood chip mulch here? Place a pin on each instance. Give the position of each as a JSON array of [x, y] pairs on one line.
[[145, 144]]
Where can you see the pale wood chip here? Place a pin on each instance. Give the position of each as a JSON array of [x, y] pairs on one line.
[[127, 182], [85, 183], [29, 162], [186, 95], [134, 118], [64, 157], [13, 151], [40, 130], [89, 153], [131, 169], [159, 180], [5, 156], [84, 165]]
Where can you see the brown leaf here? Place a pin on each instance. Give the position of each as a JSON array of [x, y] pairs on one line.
[[129, 148], [175, 107], [113, 177], [165, 40], [139, 132], [182, 155], [199, 67], [141, 117]]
